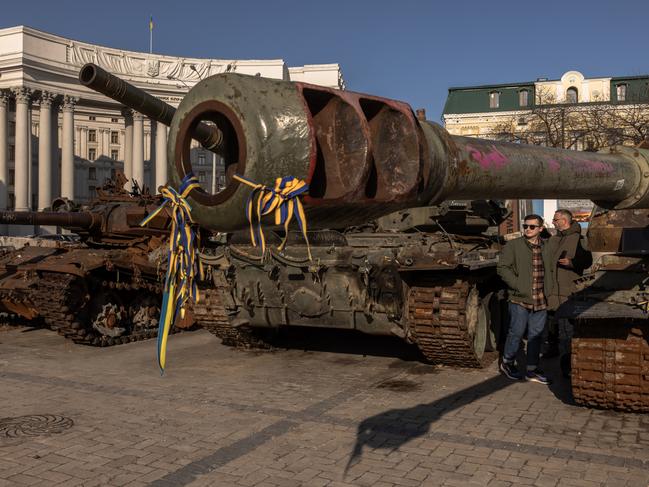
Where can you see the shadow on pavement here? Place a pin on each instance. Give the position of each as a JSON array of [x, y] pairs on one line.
[[394, 428], [560, 385], [345, 341]]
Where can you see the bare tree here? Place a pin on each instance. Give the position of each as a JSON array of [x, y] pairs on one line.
[[587, 126]]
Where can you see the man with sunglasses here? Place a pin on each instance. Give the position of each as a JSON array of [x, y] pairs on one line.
[[527, 268]]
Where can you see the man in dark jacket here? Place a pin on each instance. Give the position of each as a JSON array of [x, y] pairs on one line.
[[572, 257], [527, 268]]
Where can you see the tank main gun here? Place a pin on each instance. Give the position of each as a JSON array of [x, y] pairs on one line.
[[365, 156], [100, 80], [83, 220]]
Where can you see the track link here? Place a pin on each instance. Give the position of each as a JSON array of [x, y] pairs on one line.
[[438, 322], [610, 365], [210, 313], [59, 299]]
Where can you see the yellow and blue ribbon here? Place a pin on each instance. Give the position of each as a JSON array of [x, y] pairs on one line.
[[184, 267], [283, 200]]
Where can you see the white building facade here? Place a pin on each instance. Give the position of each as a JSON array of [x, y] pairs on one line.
[[58, 138]]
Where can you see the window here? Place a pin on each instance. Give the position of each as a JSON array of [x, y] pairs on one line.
[[494, 99], [114, 154], [114, 120], [522, 98], [12, 129], [12, 201], [92, 117], [91, 190], [92, 136], [620, 90], [572, 96], [12, 177], [201, 159], [12, 152], [92, 154], [201, 177], [114, 137], [92, 173]]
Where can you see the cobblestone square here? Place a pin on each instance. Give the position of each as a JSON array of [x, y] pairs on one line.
[[344, 415]]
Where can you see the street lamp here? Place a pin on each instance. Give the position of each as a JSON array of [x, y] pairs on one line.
[[173, 78]]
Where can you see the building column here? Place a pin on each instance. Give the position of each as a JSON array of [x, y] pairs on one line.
[[67, 148], [128, 145], [83, 143], [56, 153], [23, 136], [138, 149], [105, 142], [160, 155], [45, 152], [4, 144]]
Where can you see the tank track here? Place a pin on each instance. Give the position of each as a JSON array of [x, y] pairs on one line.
[[210, 313], [58, 298], [437, 322], [610, 365]]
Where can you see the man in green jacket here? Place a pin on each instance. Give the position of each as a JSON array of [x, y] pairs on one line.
[[527, 268], [570, 252]]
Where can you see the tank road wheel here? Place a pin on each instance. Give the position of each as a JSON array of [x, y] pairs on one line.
[[107, 314], [449, 323], [610, 364], [495, 306], [144, 313]]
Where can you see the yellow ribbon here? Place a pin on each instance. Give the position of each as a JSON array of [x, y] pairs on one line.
[[183, 265], [283, 200]]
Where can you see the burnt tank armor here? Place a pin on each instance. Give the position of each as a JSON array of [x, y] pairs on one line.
[[610, 350], [363, 157], [103, 290], [425, 274]]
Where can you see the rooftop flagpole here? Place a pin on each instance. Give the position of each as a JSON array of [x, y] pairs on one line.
[[151, 34]]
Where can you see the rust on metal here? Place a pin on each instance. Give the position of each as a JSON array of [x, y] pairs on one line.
[[104, 290]]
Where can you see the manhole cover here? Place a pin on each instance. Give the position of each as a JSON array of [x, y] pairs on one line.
[[36, 425], [399, 385]]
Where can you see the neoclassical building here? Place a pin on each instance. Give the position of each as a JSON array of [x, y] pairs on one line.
[[58, 138]]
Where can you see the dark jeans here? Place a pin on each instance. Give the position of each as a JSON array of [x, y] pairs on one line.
[[522, 319]]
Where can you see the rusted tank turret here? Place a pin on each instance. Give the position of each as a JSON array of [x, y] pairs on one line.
[[363, 156], [104, 290]]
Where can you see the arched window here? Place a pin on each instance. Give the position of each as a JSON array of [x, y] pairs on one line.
[[523, 97], [494, 99], [572, 96]]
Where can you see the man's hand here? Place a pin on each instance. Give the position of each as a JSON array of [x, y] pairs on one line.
[[565, 262]]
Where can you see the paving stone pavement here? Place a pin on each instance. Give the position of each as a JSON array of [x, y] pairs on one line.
[[352, 414]]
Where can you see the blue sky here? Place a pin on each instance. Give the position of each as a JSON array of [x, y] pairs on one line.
[[409, 50]]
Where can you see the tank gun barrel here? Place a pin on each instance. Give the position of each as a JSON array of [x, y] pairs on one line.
[[85, 220], [100, 80], [365, 156]]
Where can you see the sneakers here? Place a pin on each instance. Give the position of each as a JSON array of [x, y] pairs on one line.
[[510, 371], [537, 375]]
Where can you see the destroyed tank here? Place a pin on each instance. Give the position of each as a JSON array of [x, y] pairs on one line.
[[103, 290], [610, 351], [422, 273]]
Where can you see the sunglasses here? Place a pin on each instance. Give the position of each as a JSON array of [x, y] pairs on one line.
[[531, 227]]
